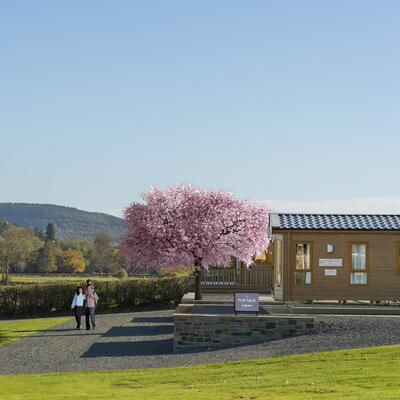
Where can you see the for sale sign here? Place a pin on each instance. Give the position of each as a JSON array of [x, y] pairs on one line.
[[247, 302]]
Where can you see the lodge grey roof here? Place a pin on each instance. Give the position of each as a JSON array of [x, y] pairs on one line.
[[335, 222]]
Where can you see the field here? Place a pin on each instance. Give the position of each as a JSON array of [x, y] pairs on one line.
[[371, 373], [78, 279], [23, 279], [11, 331]]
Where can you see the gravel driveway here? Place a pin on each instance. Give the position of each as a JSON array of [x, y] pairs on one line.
[[144, 339]]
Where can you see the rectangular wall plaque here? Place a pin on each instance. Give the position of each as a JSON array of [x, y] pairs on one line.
[[330, 272], [330, 262]]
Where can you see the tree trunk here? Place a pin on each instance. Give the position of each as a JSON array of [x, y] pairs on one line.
[[197, 293], [6, 278]]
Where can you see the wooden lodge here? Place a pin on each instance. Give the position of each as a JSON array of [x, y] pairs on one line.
[[321, 257]]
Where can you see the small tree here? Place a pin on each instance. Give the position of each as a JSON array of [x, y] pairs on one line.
[[4, 225], [103, 253], [17, 248], [187, 226], [71, 261], [38, 232]]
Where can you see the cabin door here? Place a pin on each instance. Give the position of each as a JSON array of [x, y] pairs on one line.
[[278, 263]]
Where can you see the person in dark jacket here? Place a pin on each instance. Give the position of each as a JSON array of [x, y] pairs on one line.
[[90, 307]]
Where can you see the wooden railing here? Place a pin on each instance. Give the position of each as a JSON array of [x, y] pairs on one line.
[[224, 277]]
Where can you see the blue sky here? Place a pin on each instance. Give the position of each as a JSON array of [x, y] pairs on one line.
[[292, 102]]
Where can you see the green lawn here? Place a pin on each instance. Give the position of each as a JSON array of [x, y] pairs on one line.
[[372, 373], [11, 331]]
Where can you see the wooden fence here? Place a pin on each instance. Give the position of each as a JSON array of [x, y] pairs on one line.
[[256, 277]]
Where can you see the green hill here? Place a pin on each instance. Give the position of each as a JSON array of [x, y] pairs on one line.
[[69, 222]]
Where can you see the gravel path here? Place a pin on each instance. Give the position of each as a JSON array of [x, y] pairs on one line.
[[144, 339]]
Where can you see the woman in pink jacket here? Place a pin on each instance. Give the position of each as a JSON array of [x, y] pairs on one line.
[[90, 307]]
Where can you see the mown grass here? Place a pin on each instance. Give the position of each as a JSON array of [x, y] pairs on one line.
[[10, 331], [371, 373]]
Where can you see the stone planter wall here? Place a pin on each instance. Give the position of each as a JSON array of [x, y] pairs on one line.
[[202, 331]]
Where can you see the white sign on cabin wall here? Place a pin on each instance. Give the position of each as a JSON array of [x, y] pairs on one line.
[[330, 272], [330, 262], [329, 248]]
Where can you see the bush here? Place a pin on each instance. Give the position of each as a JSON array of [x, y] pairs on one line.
[[121, 274], [164, 272], [29, 300]]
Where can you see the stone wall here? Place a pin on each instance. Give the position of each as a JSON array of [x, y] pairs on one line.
[[194, 331]]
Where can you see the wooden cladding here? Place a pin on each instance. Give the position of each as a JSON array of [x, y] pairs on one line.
[[372, 273]]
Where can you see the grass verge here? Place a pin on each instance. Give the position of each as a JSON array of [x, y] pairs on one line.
[[371, 373]]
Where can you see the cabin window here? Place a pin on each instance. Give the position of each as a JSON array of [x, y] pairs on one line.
[[359, 264], [303, 263], [398, 257]]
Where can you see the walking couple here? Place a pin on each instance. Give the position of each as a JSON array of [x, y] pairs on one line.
[[87, 301]]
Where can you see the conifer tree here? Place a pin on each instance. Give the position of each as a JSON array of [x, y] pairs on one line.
[[50, 232]]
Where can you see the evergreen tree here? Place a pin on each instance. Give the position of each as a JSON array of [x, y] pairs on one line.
[[50, 232], [47, 258]]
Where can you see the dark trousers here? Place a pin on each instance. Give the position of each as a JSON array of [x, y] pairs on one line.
[[78, 313], [89, 312]]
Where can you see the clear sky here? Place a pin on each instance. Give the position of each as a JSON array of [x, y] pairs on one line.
[[292, 102]]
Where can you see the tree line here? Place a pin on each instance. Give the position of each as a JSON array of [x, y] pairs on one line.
[[25, 250]]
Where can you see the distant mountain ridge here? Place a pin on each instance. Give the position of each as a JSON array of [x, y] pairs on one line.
[[69, 222]]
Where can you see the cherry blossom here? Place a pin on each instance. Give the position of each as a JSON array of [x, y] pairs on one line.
[[184, 225]]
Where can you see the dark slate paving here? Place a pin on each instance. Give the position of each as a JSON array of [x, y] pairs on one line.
[[144, 340], [230, 309]]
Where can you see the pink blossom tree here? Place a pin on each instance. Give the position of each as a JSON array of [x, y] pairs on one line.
[[187, 226]]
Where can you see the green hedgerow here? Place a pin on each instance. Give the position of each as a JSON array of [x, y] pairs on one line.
[[28, 300]]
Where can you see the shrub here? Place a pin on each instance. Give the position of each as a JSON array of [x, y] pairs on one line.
[[163, 272], [121, 274], [29, 300]]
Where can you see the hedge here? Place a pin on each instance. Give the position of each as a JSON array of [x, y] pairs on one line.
[[48, 298]]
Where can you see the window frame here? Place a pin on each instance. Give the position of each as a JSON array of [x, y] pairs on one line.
[[275, 259], [358, 270], [310, 270]]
